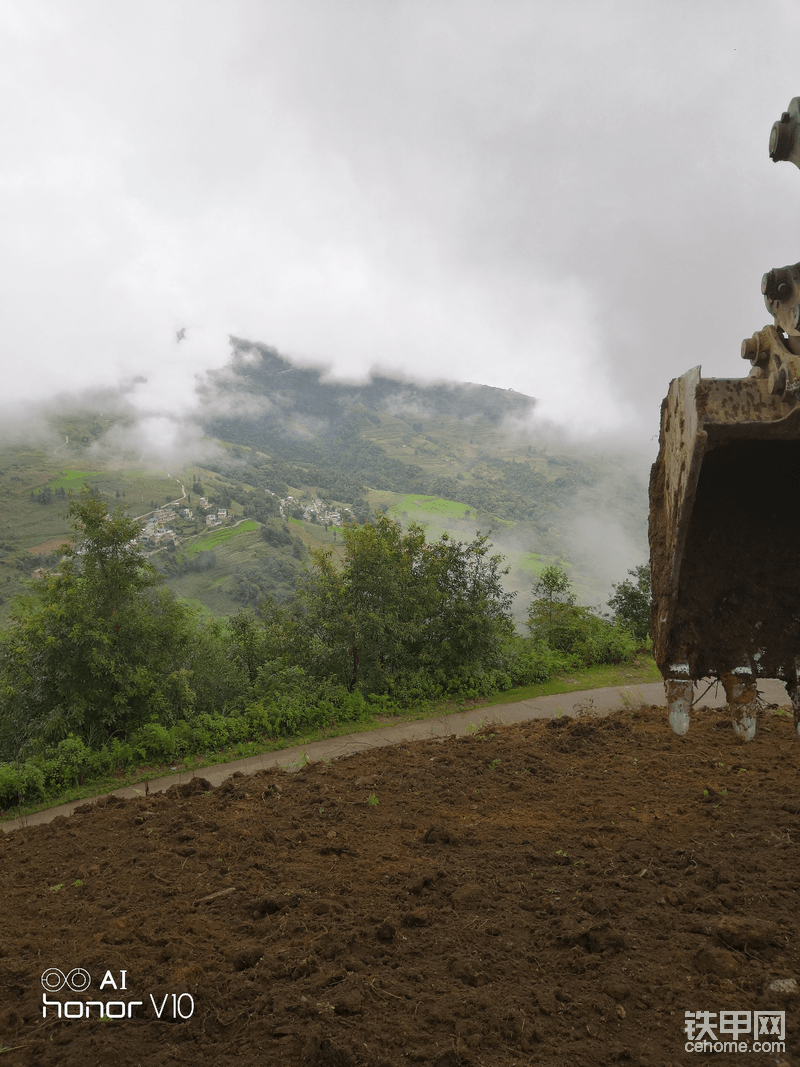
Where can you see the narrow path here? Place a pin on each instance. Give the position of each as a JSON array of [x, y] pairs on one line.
[[596, 701]]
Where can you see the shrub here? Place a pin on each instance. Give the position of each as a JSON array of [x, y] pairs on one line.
[[9, 785], [71, 761], [31, 781], [153, 743], [531, 661]]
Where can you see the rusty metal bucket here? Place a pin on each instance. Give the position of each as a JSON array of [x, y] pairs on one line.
[[724, 526]]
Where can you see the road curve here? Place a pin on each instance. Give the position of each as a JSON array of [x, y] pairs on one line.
[[600, 701]]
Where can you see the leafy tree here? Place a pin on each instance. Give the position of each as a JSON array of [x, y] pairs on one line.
[[472, 617], [567, 628], [398, 606], [549, 611], [99, 649], [631, 602]]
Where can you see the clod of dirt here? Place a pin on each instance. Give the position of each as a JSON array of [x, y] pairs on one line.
[[268, 906], [439, 835], [601, 938], [420, 882], [716, 961], [468, 896], [745, 932], [385, 932], [417, 917], [557, 724], [193, 788], [615, 988]]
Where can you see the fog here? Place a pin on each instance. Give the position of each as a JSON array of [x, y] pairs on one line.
[[573, 202]]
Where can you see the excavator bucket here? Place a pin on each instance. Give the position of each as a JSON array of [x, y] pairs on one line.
[[725, 509]]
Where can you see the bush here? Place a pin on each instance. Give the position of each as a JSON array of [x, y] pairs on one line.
[[31, 781], [531, 661], [153, 743], [24, 782], [9, 785], [70, 762], [605, 643]]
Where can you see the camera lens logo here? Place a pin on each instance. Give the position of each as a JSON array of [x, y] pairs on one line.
[[77, 980]]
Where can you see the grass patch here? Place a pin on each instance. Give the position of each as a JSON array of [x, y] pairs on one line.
[[70, 479], [642, 672], [209, 541], [417, 507]]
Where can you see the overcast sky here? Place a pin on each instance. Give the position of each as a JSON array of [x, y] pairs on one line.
[[571, 200]]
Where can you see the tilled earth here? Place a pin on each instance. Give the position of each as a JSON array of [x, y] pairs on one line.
[[549, 893]]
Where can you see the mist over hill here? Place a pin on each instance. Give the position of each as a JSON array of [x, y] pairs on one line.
[[286, 447]]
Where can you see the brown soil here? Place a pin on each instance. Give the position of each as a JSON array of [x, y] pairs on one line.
[[49, 546], [547, 893]]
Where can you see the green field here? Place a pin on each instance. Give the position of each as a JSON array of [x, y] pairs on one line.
[[72, 479], [216, 538], [418, 508]]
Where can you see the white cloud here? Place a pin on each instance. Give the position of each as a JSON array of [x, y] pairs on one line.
[[574, 202]]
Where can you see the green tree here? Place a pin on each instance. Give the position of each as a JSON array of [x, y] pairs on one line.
[[631, 602], [550, 612], [98, 649], [398, 606], [571, 630]]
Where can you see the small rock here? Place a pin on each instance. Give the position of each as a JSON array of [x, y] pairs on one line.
[[784, 986], [620, 1011]]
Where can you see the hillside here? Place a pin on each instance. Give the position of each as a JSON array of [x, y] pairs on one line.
[[298, 453]]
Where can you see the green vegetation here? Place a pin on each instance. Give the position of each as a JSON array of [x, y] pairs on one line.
[[102, 670], [419, 507], [631, 602], [571, 634], [218, 537], [71, 479]]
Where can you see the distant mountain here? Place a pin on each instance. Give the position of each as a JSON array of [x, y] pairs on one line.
[[296, 447]]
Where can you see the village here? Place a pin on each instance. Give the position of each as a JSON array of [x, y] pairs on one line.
[[158, 529]]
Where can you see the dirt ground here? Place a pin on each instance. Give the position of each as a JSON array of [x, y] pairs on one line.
[[554, 892]]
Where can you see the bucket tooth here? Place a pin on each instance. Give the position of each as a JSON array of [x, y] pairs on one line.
[[740, 689], [679, 700]]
